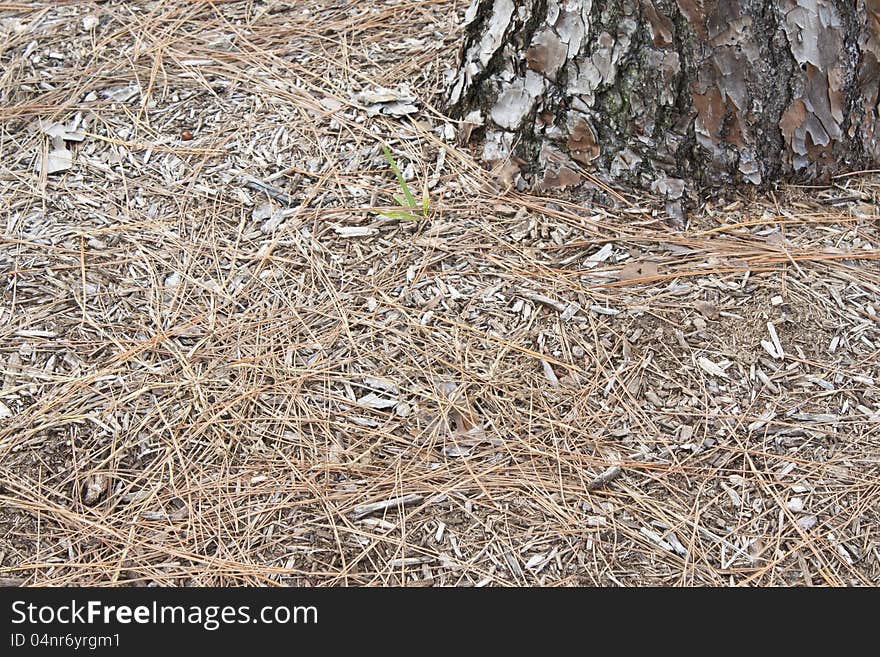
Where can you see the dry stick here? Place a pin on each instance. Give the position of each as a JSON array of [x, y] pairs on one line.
[[269, 190], [367, 509], [547, 301], [606, 477]]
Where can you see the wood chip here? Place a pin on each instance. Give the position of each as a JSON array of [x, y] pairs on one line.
[[355, 231], [706, 309], [372, 400], [549, 374], [600, 256], [546, 301], [95, 487], [638, 271], [604, 311], [570, 311], [770, 348], [775, 338], [710, 367], [58, 160]]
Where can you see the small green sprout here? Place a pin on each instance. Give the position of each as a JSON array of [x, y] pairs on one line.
[[406, 200]]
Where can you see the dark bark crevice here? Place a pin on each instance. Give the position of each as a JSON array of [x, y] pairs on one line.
[[678, 120]]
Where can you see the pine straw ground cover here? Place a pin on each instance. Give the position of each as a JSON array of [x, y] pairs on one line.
[[221, 365]]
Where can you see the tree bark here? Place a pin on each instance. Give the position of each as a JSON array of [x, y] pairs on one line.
[[656, 92]]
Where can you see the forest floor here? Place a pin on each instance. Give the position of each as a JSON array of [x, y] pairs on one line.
[[221, 364]]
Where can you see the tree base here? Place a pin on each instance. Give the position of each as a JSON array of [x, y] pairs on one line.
[[654, 92]]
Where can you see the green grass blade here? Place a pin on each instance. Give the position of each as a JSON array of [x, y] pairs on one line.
[[394, 214], [408, 194], [426, 200]]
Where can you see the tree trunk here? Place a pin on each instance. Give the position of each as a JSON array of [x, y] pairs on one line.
[[655, 92]]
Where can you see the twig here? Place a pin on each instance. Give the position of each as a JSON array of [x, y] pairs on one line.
[[269, 190], [606, 477], [367, 509]]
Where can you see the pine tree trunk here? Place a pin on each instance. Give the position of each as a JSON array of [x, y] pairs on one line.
[[655, 92]]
